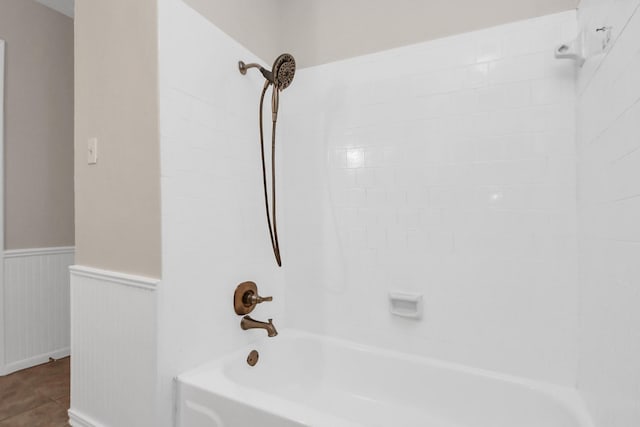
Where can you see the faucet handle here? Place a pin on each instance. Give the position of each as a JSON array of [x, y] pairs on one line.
[[257, 299], [246, 298]]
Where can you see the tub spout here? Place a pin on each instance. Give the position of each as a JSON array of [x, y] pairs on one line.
[[248, 323]]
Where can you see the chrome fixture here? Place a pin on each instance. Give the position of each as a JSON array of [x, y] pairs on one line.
[[248, 323], [281, 76]]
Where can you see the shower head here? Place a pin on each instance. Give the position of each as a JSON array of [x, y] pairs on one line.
[[281, 76], [284, 69]]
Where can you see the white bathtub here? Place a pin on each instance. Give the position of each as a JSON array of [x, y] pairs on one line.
[[308, 380]]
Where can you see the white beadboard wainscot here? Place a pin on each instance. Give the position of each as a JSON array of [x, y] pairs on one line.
[[35, 306], [113, 342]]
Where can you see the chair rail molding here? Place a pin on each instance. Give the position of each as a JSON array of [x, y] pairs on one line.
[[115, 277]]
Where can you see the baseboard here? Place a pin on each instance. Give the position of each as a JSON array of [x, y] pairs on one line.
[[33, 361], [78, 419]]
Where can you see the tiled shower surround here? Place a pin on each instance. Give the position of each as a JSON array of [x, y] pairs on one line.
[[446, 169], [213, 227], [609, 211]]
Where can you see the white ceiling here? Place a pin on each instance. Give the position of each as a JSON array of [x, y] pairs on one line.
[[63, 6]]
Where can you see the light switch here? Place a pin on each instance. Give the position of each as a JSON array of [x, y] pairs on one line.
[[92, 151]]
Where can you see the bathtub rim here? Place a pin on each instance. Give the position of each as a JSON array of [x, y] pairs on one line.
[[566, 396]]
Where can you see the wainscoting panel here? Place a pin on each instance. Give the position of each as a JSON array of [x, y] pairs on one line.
[[113, 342], [35, 306]]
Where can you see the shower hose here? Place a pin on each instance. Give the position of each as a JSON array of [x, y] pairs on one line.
[[273, 226]]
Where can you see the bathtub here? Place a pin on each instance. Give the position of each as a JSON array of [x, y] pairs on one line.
[[303, 379]]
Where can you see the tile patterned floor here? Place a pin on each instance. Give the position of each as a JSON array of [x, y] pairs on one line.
[[36, 397]]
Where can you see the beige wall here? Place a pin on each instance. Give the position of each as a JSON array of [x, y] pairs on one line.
[[117, 200], [320, 31], [38, 125]]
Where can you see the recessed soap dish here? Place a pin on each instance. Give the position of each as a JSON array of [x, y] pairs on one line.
[[405, 304]]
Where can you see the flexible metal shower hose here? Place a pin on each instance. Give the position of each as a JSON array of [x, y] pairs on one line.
[[273, 229]]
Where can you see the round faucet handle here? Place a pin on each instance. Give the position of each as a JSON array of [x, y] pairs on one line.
[[246, 297]]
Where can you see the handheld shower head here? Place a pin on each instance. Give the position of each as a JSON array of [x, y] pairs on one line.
[[282, 73], [280, 76], [284, 69]]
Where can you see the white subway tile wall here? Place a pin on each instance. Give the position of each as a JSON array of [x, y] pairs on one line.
[[609, 207], [213, 228], [445, 168]]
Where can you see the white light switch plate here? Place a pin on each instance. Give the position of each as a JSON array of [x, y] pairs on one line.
[[92, 151]]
